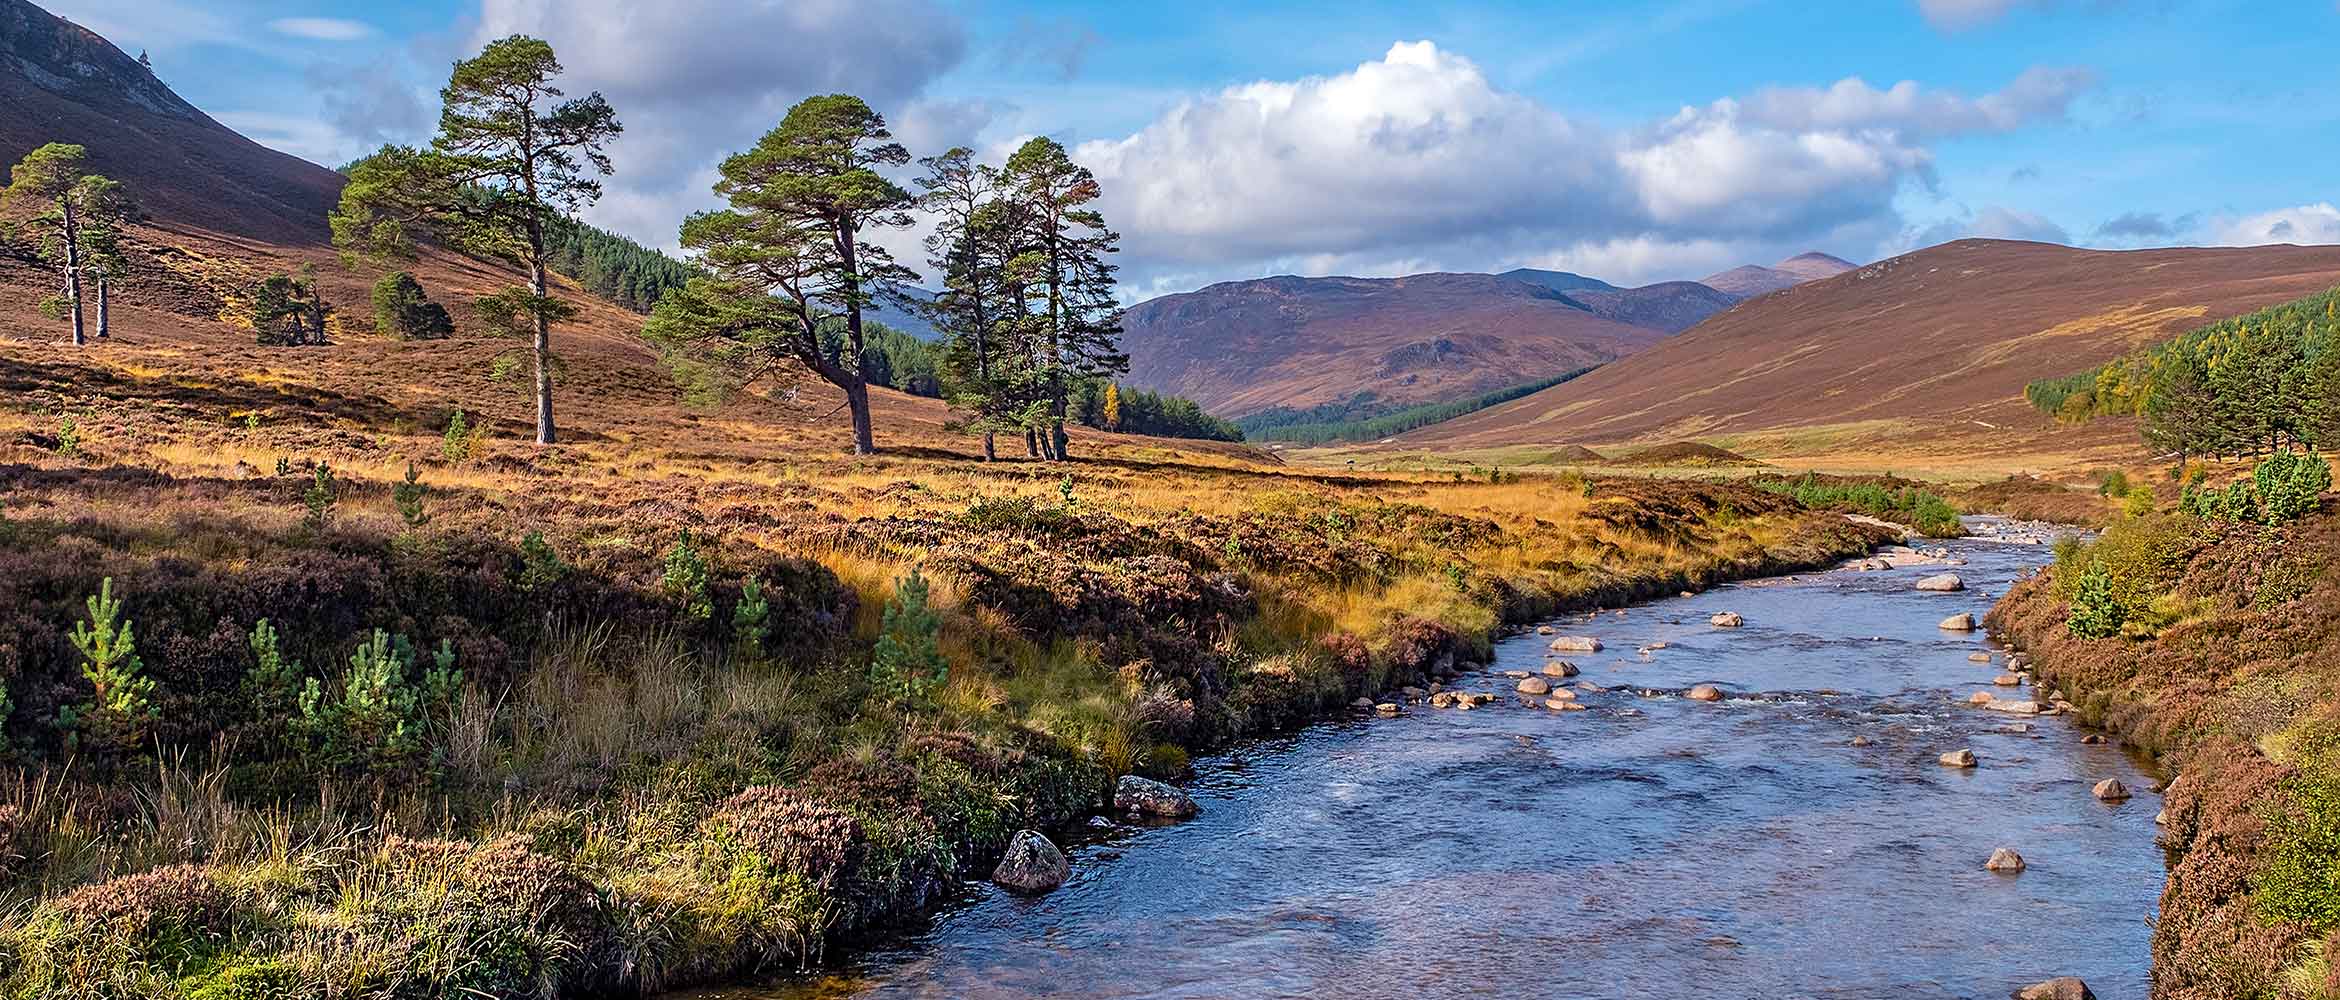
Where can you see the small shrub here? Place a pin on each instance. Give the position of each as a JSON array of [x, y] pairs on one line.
[[686, 579], [540, 565], [404, 311], [272, 687], [320, 498], [460, 440], [379, 720], [122, 698], [283, 466], [2115, 485], [908, 667], [2096, 613], [2290, 485], [68, 438], [409, 497], [751, 618]]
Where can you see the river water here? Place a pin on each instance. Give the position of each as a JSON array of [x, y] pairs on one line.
[[1650, 846]]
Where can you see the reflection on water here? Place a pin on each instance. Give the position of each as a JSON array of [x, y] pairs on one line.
[[1647, 847]]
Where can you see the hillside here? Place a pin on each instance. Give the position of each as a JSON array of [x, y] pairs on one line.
[[1243, 346], [1372, 345], [1750, 280], [62, 83], [1933, 346]]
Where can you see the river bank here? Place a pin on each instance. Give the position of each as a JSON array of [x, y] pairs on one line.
[[603, 808], [2225, 668], [1795, 838]]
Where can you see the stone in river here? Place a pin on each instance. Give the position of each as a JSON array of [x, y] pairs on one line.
[[1978, 657], [2013, 707], [1942, 583], [2006, 680], [1563, 694], [1515, 674], [1148, 797], [1032, 864], [1562, 705], [2111, 790], [1535, 686], [1386, 708], [1981, 698], [1705, 692], [1545, 630], [2092, 739], [1958, 758], [1727, 619], [1442, 699], [1558, 668], [1576, 644], [2060, 988], [1860, 741], [1960, 622], [2005, 860]]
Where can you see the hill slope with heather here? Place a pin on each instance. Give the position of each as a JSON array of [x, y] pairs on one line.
[[1930, 350]]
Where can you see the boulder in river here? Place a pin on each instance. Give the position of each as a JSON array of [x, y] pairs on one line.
[[1727, 619], [2060, 988], [1559, 668], [2005, 860], [1563, 694], [2013, 707], [1861, 741], [1705, 692], [1942, 583], [2007, 680], [1958, 758], [2110, 790], [1981, 698], [1960, 622], [1148, 797], [1576, 644], [1032, 864], [1562, 704], [1978, 657], [1386, 709], [1442, 699], [1535, 686], [1545, 630]]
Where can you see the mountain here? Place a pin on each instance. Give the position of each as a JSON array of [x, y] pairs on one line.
[[1241, 347], [1670, 306], [1750, 280], [1902, 350], [1558, 281], [60, 82]]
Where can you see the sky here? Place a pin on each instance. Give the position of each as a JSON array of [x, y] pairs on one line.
[[1634, 142]]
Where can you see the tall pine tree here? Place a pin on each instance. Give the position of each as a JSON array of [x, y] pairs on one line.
[[76, 217], [1063, 253], [510, 162]]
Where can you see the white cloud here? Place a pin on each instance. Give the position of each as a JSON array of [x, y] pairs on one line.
[[697, 80], [2303, 224], [311, 139], [322, 29], [1417, 157], [1994, 222]]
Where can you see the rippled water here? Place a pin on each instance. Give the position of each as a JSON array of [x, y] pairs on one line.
[[1647, 847]]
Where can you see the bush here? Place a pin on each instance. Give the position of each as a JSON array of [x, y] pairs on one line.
[[908, 667], [461, 439], [402, 310], [2290, 485], [122, 698], [379, 722], [409, 497], [2096, 613], [686, 579], [751, 618], [540, 565], [319, 498]]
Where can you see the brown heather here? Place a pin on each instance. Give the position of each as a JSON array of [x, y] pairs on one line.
[[2234, 693]]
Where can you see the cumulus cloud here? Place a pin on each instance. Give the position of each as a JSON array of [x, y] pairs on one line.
[[2137, 226], [1996, 222], [1418, 156], [694, 80], [2304, 224], [322, 29]]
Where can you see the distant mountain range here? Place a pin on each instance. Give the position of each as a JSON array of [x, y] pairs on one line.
[[1378, 344], [1912, 348]]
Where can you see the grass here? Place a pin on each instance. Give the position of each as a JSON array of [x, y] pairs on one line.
[[623, 796]]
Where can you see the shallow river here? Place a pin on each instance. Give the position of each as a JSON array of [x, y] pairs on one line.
[[1646, 847]]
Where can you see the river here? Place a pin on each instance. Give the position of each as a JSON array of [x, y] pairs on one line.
[[1650, 846]]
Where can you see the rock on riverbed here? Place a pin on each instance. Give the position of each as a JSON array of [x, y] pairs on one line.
[[1942, 583], [1032, 864], [2060, 988], [1726, 619], [1705, 692], [1576, 644], [1960, 622], [1958, 758], [2005, 860], [1148, 797]]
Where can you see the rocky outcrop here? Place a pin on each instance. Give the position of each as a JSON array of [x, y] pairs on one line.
[[1032, 864], [1147, 797]]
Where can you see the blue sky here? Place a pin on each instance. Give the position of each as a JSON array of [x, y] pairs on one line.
[[1635, 142]]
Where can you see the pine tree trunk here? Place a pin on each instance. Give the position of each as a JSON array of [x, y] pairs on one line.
[[990, 450], [102, 331], [73, 273], [544, 401], [857, 399], [1032, 442]]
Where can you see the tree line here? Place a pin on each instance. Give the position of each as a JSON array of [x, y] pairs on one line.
[[2266, 382], [1374, 428]]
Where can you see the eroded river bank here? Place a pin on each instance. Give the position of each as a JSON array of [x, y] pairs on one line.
[[1798, 838]]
